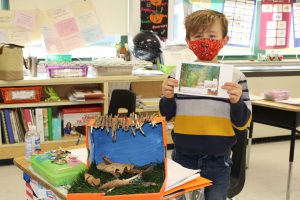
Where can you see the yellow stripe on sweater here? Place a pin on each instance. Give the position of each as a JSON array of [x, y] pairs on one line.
[[195, 125], [241, 128]]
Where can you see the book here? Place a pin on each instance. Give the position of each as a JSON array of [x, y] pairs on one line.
[[203, 79], [75, 118], [56, 128], [50, 130], [21, 124], [11, 138], [1, 135], [45, 123], [14, 126], [39, 123], [4, 128], [27, 115]]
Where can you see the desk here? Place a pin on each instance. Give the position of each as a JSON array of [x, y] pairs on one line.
[[282, 116]]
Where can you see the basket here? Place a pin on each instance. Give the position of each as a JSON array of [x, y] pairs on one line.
[[21, 94], [60, 70], [112, 70]]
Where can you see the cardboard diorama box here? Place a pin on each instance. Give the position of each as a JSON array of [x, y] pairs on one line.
[[127, 160]]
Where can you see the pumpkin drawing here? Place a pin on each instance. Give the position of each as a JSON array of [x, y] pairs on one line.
[[156, 2], [156, 18]]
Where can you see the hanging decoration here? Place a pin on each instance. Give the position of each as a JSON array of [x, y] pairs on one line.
[[275, 24], [154, 17]]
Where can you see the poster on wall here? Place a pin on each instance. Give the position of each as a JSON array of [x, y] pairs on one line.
[[18, 27], [190, 6], [70, 26], [240, 15], [296, 19], [275, 24], [154, 17]]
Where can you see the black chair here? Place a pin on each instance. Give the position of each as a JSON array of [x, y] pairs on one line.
[[122, 99], [238, 169]]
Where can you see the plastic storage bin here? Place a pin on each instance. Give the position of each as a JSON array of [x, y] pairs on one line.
[[56, 174], [21, 94], [64, 70]]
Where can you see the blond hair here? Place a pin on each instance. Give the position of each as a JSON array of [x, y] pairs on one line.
[[204, 19]]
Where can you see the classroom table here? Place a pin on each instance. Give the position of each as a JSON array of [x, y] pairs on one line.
[[279, 115]]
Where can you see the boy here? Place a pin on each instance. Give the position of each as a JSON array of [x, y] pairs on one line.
[[203, 127]]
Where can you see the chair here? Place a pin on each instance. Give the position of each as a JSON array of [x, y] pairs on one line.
[[238, 169], [121, 98]]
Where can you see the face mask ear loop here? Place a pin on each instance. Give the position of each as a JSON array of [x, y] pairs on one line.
[[222, 58]]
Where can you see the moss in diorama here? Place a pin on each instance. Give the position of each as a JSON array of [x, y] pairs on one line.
[[147, 181]]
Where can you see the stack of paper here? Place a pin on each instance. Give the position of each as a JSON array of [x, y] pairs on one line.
[[146, 72], [292, 101], [181, 180], [86, 95], [149, 103], [178, 175]]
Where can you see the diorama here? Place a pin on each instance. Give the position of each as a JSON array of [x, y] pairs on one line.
[[126, 159]]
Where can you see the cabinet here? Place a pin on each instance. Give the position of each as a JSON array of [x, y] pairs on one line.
[[62, 86]]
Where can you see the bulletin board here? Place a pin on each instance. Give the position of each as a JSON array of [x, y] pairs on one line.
[[275, 24], [296, 20]]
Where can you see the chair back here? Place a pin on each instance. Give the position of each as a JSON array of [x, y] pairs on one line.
[[238, 169], [121, 98]]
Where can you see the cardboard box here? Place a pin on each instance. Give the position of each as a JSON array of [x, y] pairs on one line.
[[138, 150], [76, 118]]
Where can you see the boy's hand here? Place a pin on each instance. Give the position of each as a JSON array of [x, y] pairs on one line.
[[168, 87], [234, 90]]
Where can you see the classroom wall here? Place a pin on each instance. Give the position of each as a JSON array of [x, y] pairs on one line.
[[112, 14]]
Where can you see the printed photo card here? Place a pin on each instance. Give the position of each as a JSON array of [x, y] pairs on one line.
[[203, 79]]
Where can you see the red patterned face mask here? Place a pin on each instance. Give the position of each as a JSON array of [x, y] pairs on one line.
[[206, 49]]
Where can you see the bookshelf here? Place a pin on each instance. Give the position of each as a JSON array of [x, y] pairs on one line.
[[144, 84]]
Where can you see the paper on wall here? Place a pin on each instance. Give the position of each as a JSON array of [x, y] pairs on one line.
[[25, 19]]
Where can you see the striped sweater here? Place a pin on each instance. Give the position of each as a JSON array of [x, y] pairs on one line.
[[204, 125]]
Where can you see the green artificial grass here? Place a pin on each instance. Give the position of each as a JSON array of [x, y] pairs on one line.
[[157, 175]]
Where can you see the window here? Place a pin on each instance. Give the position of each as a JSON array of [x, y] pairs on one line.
[[184, 6]]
